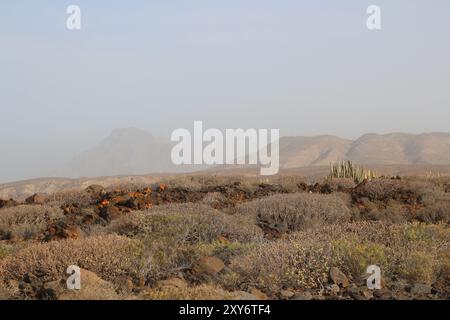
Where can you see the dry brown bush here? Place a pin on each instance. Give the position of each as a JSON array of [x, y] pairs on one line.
[[186, 223], [108, 256], [176, 235], [383, 189], [293, 212], [80, 198], [403, 200], [414, 252], [26, 221], [436, 208]]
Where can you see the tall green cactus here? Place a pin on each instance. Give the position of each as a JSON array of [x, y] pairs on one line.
[[347, 169]]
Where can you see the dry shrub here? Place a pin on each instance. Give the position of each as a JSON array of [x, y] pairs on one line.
[[392, 211], [341, 184], [26, 220], [403, 200], [277, 265], [3, 251], [418, 266], [354, 257], [176, 235], [108, 256], [186, 223], [226, 250], [421, 252], [80, 198], [216, 200], [384, 189], [436, 208], [5, 293], [405, 191], [201, 292], [198, 182], [293, 212], [303, 259]]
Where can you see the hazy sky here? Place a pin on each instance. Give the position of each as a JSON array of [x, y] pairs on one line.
[[306, 67]]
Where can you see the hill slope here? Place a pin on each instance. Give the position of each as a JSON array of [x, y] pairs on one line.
[[134, 151]]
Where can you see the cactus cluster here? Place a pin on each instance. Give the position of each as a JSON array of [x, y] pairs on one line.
[[347, 169]]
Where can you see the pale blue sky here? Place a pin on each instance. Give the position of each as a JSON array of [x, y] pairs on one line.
[[306, 67]]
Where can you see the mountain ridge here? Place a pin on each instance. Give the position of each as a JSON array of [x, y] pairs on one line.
[[135, 151]]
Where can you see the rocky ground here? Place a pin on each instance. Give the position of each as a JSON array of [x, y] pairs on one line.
[[230, 238]]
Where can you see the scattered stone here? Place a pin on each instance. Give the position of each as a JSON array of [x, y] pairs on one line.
[[338, 277], [92, 288], [259, 294], [367, 294], [71, 209], [287, 294], [242, 295], [361, 293], [208, 265], [223, 240], [158, 187], [272, 229], [399, 285], [172, 283], [88, 219], [95, 189], [303, 296], [144, 202], [8, 203], [46, 294], [420, 289], [125, 284], [334, 289], [35, 199], [110, 213], [60, 230], [382, 294]]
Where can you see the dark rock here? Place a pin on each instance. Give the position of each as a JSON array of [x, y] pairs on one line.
[[95, 189], [420, 289], [338, 277], [35, 199], [72, 208], [61, 230], [208, 265], [358, 293], [382, 294], [110, 213]]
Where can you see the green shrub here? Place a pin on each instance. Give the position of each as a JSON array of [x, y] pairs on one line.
[[354, 256], [176, 235], [3, 252], [348, 170]]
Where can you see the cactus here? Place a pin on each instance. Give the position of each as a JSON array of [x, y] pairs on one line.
[[347, 169]]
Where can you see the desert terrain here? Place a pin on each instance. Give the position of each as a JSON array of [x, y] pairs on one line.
[[230, 235]]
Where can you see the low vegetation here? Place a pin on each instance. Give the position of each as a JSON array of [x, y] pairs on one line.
[[233, 238], [349, 170]]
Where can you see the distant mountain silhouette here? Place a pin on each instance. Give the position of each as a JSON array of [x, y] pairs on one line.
[[124, 151], [135, 151], [401, 148]]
